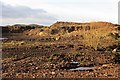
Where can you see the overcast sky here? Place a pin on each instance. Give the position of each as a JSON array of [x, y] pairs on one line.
[[46, 12]]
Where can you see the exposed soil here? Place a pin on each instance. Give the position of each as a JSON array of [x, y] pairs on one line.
[[49, 52]]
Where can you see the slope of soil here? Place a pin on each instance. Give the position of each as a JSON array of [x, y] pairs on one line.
[[47, 52]]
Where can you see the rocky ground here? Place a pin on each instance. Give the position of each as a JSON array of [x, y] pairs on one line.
[[32, 53]]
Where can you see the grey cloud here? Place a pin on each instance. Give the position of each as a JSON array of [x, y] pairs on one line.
[[23, 12], [19, 11]]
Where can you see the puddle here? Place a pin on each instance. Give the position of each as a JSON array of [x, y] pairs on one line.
[[83, 68], [3, 38], [80, 68], [75, 62]]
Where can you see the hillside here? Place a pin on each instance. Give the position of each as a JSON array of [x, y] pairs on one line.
[[62, 46]]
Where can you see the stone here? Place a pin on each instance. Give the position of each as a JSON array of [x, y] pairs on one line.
[[52, 73]]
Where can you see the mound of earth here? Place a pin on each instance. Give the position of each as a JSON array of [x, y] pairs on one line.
[[35, 51]]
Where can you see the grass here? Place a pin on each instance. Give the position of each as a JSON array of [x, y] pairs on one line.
[[14, 43], [97, 39]]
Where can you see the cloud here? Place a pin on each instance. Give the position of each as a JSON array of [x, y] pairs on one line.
[[23, 14]]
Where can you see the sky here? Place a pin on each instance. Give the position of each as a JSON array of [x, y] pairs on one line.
[[47, 12]]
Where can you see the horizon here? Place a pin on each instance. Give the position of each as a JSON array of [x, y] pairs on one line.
[[47, 12], [56, 22]]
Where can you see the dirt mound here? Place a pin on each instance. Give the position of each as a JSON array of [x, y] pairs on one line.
[[40, 52], [68, 27]]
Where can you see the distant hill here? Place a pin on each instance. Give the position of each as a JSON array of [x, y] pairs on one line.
[[92, 34], [64, 27]]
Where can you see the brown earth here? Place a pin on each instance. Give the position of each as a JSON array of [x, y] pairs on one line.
[[33, 51]]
